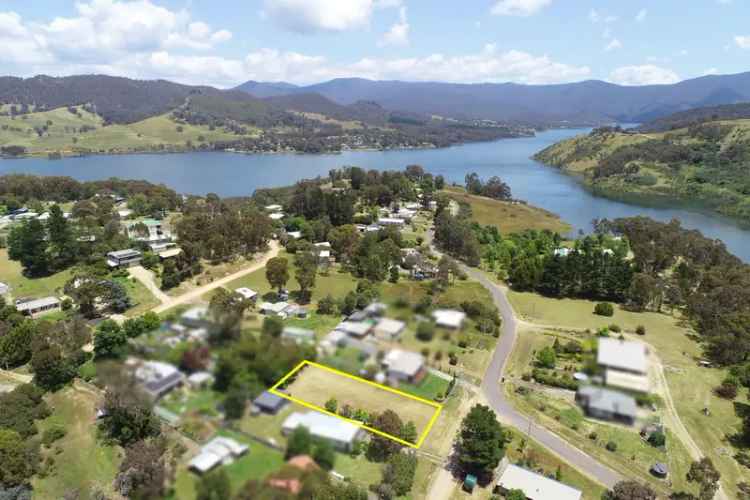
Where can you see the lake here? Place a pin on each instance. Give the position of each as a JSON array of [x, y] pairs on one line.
[[230, 174]]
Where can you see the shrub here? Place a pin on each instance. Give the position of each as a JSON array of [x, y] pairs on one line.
[[615, 328], [640, 330], [273, 326], [611, 446], [332, 405], [52, 434], [453, 358], [657, 439], [726, 390], [425, 331], [546, 358], [326, 305], [593, 435], [604, 309]]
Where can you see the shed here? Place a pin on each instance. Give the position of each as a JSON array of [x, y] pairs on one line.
[[270, 403], [535, 486], [449, 318], [470, 482], [389, 329], [404, 366], [660, 470]]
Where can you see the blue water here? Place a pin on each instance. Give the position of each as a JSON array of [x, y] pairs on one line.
[[229, 174]]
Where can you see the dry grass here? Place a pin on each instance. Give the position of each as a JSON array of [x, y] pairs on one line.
[[508, 217], [316, 385]]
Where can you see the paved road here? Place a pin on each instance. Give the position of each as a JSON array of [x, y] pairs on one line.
[[492, 389]]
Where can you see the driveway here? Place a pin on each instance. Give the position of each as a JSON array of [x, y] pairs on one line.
[[146, 277], [195, 294]]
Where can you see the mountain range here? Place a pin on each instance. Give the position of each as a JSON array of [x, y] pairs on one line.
[[587, 102]]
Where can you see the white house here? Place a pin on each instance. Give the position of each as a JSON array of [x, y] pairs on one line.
[[38, 306], [625, 364], [389, 329], [390, 221], [355, 329], [534, 486], [276, 309], [124, 258], [449, 318], [276, 216], [298, 335], [274, 208], [341, 434], [218, 451], [246, 293], [4, 288]]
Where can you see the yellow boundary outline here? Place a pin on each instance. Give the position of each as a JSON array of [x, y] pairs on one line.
[[438, 407]]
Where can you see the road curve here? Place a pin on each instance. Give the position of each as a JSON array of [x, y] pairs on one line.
[[492, 389]]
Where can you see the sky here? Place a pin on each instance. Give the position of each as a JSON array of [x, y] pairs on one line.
[[226, 42]]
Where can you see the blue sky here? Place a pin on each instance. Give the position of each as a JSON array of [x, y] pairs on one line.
[[226, 42]]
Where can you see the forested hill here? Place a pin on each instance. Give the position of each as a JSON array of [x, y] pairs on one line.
[[704, 163], [117, 100], [696, 116], [587, 102]]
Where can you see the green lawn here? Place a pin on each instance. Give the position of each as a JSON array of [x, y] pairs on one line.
[[430, 387], [82, 462], [21, 286], [189, 401], [143, 300], [336, 283], [255, 465], [358, 469]]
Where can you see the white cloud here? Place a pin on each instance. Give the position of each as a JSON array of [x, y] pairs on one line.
[[399, 32], [742, 42], [613, 45], [595, 17], [711, 71], [309, 16], [641, 16], [519, 7], [647, 74]]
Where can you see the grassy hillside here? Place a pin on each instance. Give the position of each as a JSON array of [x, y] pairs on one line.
[[704, 163], [60, 130], [506, 216]]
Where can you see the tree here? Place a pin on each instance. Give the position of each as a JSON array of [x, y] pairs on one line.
[[657, 439], [273, 326], [109, 340], [425, 331], [399, 472], [546, 357], [19, 458], [51, 370], [332, 405], [409, 432], [706, 476], [630, 490], [497, 189], [473, 183], [227, 310], [128, 415], [327, 305], [306, 265], [235, 402], [324, 454], [299, 442], [481, 442], [142, 473], [380, 448], [277, 272], [28, 244], [15, 345], [214, 486]]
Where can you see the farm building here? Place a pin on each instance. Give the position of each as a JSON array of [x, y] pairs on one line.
[[34, 307], [246, 293]]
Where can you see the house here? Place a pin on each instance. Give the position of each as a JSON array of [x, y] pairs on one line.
[[247, 293], [154, 233], [295, 235], [355, 329], [4, 288], [276, 216], [200, 380], [375, 310], [270, 403], [158, 378], [124, 258], [196, 317], [219, 451], [606, 404], [279, 309], [404, 214], [341, 434], [404, 366], [389, 329], [34, 307], [298, 335], [274, 208], [449, 318], [625, 364], [391, 221], [562, 252], [534, 486], [170, 253]]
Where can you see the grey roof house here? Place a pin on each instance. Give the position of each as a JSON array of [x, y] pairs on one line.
[[606, 404]]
